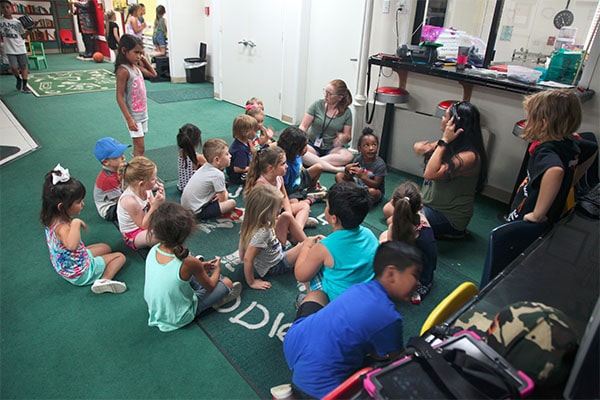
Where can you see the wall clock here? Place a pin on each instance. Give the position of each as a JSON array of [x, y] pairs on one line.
[[564, 17]]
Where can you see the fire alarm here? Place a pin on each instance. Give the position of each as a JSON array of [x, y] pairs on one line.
[[207, 11]]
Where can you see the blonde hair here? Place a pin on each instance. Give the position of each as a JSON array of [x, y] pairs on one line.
[[139, 169], [263, 205], [242, 124], [340, 88], [213, 148], [551, 115], [261, 160]]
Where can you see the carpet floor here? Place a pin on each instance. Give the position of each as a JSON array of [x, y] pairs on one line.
[[198, 92], [58, 341]]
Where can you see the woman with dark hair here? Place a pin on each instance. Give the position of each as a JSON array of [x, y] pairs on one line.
[[455, 169], [328, 122]]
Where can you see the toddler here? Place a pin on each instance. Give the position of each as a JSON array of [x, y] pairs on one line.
[[188, 160], [138, 202], [259, 246], [268, 167], [552, 118], [408, 224], [96, 264], [179, 286], [300, 183], [107, 189], [206, 193], [244, 130], [368, 169]]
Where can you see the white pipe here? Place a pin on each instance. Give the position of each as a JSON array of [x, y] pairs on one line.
[[363, 58]]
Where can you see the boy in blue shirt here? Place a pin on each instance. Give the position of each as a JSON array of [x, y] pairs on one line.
[[345, 257], [329, 342]]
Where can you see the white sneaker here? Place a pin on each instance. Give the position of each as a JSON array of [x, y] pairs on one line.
[[235, 292], [108, 286], [311, 222]]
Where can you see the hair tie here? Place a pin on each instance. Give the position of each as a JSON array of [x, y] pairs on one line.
[[60, 174], [406, 198], [251, 106]]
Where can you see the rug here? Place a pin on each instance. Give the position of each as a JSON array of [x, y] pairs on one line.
[[165, 159], [250, 331], [71, 82], [198, 92]]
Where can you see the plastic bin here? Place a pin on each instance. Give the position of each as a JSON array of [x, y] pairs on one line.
[[195, 70]]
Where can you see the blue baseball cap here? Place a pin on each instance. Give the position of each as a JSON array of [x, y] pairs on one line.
[[109, 148]]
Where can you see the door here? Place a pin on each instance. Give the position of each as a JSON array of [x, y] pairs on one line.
[[252, 52], [334, 45]]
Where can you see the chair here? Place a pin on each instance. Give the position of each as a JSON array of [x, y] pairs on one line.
[[66, 37], [505, 244], [38, 54], [451, 304]]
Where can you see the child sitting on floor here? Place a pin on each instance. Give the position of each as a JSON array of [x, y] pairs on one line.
[[268, 167], [244, 129], [178, 286], [206, 193], [328, 342], [96, 265], [300, 183], [259, 246], [410, 225], [107, 189], [188, 159], [345, 257], [368, 169], [264, 135], [138, 202]]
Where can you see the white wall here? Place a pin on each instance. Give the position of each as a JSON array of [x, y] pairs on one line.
[[188, 26]]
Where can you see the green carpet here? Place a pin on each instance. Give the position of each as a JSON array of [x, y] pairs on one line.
[[71, 82], [165, 159], [198, 92], [250, 331], [63, 342]]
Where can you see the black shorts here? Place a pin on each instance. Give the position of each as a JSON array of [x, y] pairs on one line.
[[307, 308]]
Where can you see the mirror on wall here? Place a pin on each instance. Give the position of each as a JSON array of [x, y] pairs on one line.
[[511, 30]]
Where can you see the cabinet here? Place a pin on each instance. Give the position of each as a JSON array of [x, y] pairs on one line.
[[41, 12]]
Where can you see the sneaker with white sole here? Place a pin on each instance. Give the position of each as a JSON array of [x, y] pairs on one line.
[[234, 293], [311, 222], [299, 299], [108, 286]]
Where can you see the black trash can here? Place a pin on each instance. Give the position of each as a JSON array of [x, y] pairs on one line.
[[195, 70]]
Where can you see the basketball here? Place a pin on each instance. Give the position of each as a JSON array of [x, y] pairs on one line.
[[98, 57]]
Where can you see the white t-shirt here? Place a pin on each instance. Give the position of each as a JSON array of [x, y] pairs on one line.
[[11, 31]]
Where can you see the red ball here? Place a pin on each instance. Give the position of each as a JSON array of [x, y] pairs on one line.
[[98, 57]]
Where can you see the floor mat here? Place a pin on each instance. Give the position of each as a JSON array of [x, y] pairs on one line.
[[198, 92], [165, 159], [71, 82]]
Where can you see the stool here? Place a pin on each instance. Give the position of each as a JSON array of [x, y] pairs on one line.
[[519, 128], [443, 106], [162, 69], [390, 96]]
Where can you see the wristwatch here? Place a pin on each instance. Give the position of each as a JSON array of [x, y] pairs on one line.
[[441, 143]]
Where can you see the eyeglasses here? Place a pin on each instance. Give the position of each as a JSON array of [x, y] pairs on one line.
[[328, 93]]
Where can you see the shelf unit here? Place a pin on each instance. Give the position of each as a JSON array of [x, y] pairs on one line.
[[41, 11]]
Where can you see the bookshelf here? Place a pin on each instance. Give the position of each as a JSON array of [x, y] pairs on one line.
[[41, 11]]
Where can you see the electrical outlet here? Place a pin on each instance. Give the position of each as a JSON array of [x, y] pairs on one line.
[[386, 6]]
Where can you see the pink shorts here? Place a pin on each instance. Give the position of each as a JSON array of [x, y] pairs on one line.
[[129, 237]]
